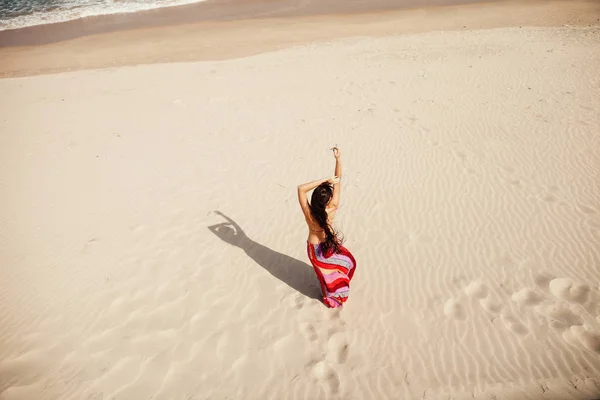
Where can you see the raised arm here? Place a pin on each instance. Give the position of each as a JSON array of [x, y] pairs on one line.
[[337, 187], [307, 187]]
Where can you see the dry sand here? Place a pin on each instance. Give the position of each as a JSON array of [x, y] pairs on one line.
[[470, 200]]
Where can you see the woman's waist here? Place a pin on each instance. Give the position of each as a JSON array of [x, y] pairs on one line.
[[316, 237]]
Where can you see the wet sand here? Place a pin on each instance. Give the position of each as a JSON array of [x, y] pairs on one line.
[[110, 41], [208, 11]]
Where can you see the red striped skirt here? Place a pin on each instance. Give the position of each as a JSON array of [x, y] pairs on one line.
[[335, 271]]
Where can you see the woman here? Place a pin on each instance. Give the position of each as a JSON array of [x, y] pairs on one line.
[[332, 262]]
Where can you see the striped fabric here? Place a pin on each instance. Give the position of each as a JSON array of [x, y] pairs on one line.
[[334, 272]]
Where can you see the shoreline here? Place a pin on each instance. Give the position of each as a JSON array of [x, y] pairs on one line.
[[226, 39], [203, 12]]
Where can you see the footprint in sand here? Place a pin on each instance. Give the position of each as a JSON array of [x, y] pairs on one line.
[[562, 315], [453, 309], [559, 316], [513, 324], [308, 331], [490, 305], [509, 321], [327, 376], [527, 297], [479, 291], [476, 290], [580, 336], [337, 347], [543, 280], [298, 302], [567, 290], [336, 352]]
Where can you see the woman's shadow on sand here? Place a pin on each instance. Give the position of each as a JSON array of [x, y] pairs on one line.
[[296, 274]]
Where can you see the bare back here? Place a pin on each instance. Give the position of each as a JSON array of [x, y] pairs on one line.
[[316, 234]]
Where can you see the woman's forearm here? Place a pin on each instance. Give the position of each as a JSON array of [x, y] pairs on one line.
[[310, 185], [338, 168]]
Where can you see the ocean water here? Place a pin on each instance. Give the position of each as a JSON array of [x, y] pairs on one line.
[[22, 13]]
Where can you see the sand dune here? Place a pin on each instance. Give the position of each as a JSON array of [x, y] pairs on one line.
[[152, 245]]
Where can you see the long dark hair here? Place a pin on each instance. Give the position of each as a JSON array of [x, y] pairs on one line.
[[318, 203]]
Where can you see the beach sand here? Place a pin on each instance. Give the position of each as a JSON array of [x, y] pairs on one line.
[[152, 246], [155, 37]]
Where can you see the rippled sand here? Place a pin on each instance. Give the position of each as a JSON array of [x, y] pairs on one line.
[[470, 201]]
